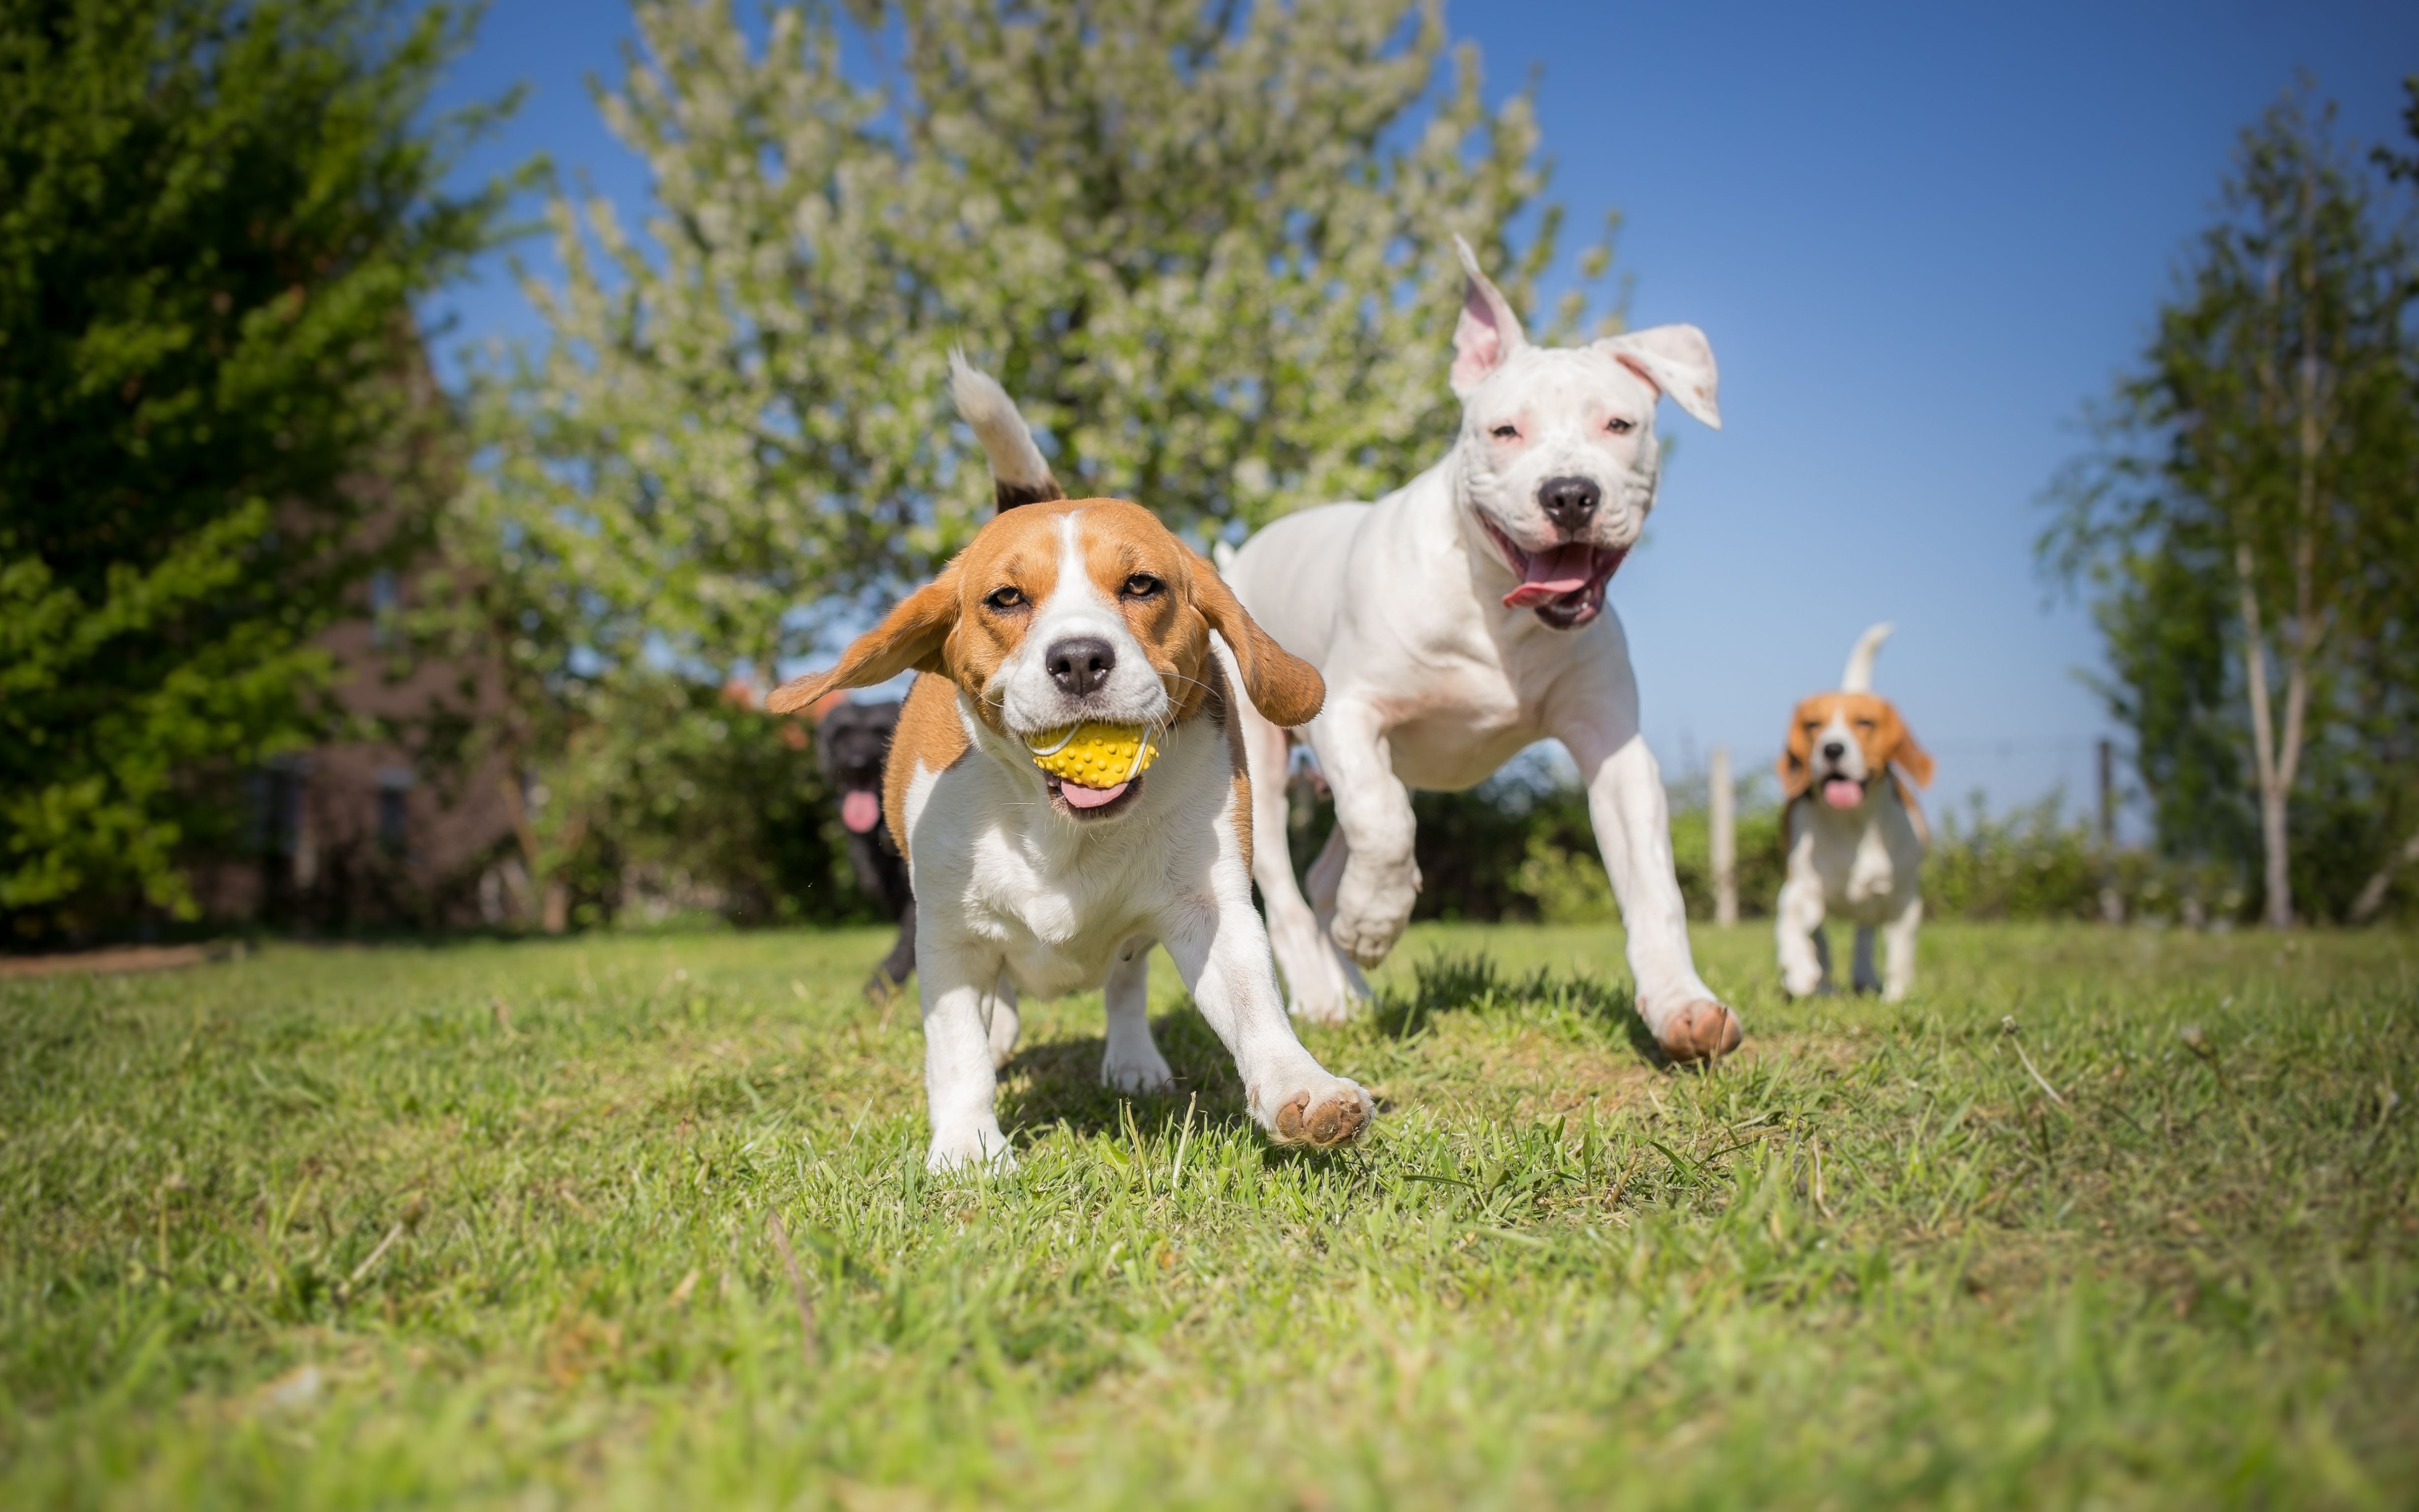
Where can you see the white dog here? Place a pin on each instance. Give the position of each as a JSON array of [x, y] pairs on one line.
[[1462, 617], [1060, 614], [1855, 833]]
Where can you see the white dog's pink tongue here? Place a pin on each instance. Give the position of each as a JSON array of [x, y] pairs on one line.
[[1551, 574], [1841, 793], [861, 809], [1080, 796]]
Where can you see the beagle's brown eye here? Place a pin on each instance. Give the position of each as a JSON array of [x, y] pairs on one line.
[[1505, 433], [1864, 724], [1143, 585], [1004, 599], [1619, 426]]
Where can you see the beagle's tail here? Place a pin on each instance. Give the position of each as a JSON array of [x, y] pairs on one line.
[[1019, 474], [1858, 677]]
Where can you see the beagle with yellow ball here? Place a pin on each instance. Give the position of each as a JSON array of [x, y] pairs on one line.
[[1855, 833], [1068, 785]]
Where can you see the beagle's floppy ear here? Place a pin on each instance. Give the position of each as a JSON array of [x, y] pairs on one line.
[[1283, 687], [911, 635], [1905, 753], [1678, 360], [1488, 332], [1796, 762]]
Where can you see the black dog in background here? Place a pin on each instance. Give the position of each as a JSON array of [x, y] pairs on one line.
[[851, 741]]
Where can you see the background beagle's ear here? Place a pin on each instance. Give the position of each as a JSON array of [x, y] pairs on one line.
[[1797, 764], [1283, 687], [1488, 332], [1906, 754], [911, 635], [1678, 360]]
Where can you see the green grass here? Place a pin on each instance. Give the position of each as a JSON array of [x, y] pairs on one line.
[[488, 1225]]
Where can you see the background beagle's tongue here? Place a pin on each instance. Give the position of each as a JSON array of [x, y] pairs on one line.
[[1080, 796], [1551, 574], [860, 810]]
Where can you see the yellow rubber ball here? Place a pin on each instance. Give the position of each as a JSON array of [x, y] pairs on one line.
[[1094, 755]]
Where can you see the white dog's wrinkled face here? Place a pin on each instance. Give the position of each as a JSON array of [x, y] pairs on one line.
[[1558, 456]]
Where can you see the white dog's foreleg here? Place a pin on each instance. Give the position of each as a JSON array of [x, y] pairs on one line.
[[1326, 875], [1898, 949], [1864, 978], [1000, 1021], [1797, 929], [1321, 992], [1132, 1062], [1222, 952], [1373, 809], [1633, 829], [959, 982]]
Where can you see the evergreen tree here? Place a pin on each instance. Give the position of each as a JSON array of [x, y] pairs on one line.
[[215, 218]]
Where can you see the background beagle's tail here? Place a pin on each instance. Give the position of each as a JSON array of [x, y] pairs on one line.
[[1019, 475], [1858, 677]]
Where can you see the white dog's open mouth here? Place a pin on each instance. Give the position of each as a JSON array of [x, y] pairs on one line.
[[1843, 792], [1565, 584]]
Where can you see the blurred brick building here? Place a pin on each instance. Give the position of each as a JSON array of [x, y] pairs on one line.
[[376, 834]]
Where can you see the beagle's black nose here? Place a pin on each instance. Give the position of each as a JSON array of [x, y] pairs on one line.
[[1832, 750], [1569, 502], [1081, 663]]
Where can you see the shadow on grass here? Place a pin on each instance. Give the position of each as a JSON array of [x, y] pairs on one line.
[[1472, 982], [1059, 1082]]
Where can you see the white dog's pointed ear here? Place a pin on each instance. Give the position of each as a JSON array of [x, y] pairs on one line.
[[1678, 360], [1488, 334]]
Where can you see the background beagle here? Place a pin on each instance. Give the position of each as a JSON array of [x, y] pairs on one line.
[[1855, 833], [1062, 614]]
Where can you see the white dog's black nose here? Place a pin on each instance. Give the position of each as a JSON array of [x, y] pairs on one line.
[[1833, 750], [1081, 663], [1569, 502]]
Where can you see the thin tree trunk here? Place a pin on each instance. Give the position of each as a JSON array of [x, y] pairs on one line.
[[2263, 743], [2372, 896]]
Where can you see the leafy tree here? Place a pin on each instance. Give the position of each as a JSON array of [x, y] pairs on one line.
[[2238, 531], [215, 218], [1206, 247]]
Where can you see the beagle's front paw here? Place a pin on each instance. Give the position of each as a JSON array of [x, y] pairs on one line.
[[1316, 1110], [1699, 1031], [976, 1145]]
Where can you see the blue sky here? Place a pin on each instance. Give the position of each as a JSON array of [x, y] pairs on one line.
[[1920, 237]]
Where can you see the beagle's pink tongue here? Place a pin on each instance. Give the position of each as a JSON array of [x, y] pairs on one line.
[[1565, 569], [861, 809], [1841, 793], [1080, 796]]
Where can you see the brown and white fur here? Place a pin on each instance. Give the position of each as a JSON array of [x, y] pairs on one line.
[[1061, 612], [1855, 833]]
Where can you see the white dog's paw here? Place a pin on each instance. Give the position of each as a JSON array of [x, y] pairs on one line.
[[1328, 1006], [1312, 1108], [1325, 994], [972, 1147], [1129, 1069], [1372, 910]]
